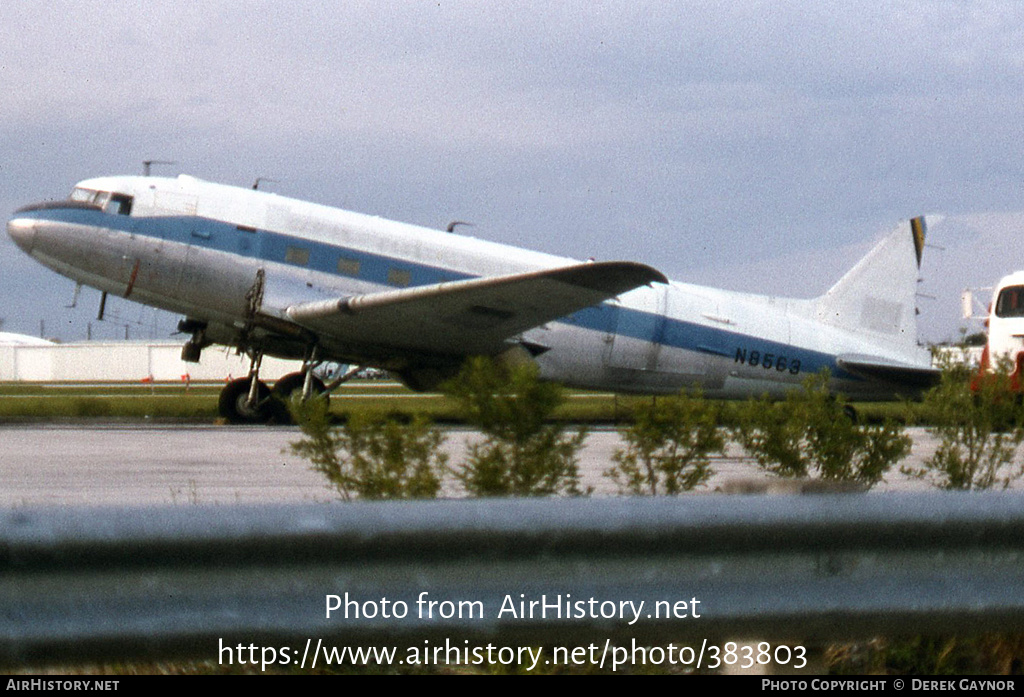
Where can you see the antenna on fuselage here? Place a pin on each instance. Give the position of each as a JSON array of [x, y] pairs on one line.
[[256, 184], [147, 164], [451, 225]]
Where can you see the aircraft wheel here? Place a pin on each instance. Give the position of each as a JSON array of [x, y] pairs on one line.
[[233, 403], [289, 387]]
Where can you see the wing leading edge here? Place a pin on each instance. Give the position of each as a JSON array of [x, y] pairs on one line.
[[475, 316]]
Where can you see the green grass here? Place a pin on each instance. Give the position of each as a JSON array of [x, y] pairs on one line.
[[37, 401], [172, 401]]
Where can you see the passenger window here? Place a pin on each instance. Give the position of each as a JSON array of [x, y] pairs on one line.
[[348, 267], [399, 278], [296, 255]]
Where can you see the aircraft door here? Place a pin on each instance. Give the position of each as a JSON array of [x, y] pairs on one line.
[[688, 345], [639, 328]]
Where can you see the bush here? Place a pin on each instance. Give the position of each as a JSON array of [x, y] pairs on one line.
[[521, 454], [371, 456], [812, 432], [980, 426], [668, 446]]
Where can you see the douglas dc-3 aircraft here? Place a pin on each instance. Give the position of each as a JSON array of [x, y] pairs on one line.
[[278, 276]]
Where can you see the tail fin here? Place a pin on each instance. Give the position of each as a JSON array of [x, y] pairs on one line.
[[877, 297]]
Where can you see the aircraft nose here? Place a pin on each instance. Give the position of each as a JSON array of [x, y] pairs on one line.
[[22, 231]]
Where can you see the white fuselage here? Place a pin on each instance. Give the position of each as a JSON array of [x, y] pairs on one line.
[[195, 248]]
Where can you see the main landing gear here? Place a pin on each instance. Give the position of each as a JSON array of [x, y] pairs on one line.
[[237, 407], [241, 404], [249, 400]]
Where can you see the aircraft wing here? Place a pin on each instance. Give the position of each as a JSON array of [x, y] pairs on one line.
[[471, 316], [884, 370]]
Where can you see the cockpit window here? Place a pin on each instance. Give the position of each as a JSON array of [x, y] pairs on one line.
[[1010, 302], [118, 204], [83, 195]]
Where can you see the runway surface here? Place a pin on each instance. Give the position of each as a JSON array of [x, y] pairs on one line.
[[139, 464]]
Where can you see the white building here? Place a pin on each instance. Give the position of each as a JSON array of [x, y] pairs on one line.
[[36, 360]]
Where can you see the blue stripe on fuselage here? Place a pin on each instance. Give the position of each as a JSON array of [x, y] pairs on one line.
[[375, 268]]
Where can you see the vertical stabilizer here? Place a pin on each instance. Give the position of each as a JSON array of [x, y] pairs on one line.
[[877, 297]]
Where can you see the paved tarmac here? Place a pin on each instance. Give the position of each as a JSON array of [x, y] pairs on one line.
[[141, 464]]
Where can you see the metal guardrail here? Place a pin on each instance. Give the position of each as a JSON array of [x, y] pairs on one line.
[[97, 584]]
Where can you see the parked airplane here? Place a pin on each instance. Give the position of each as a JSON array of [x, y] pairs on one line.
[[278, 276]]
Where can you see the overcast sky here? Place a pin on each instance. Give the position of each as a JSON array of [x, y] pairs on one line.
[[758, 146]]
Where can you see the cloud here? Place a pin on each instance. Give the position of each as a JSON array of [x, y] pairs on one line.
[[688, 135]]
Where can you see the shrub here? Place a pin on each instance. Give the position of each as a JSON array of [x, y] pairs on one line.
[[812, 432], [668, 446], [980, 426], [521, 454], [371, 456]]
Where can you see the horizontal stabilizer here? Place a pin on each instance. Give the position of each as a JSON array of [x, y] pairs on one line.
[[914, 377], [472, 316]]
